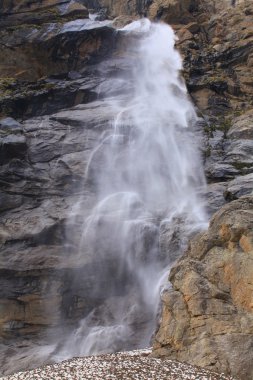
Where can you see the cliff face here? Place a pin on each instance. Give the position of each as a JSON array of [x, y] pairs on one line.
[[44, 157], [217, 49], [207, 315], [53, 66]]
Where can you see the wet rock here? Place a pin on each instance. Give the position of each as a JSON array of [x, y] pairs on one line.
[[8, 124], [101, 15], [121, 21], [173, 239], [12, 140], [12, 146], [37, 271], [36, 201], [74, 8], [38, 198], [74, 75], [215, 196]]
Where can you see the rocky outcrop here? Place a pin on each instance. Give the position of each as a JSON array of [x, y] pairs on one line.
[[207, 315], [217, 50], [32, 12], [14, 13], [167, 10], [30, 53]]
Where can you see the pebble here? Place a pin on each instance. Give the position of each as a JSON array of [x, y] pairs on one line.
[[134, 365]]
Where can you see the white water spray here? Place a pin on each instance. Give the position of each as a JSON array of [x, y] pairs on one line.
[[147, 174]]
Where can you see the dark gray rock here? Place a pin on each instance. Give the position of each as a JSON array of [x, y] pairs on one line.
[[239, 152], [220, 171], [215, 196], [9, 201], [241, 185], [9, 124], [12, 146]]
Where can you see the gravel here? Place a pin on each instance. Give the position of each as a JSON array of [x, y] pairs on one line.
[[134, 365]]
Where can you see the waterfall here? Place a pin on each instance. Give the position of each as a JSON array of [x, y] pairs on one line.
[[146, 172]]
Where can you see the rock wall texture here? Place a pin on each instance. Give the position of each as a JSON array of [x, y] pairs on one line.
[[55, 71], [207, 316], [60, 62]]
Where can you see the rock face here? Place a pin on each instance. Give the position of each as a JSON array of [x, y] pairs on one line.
[[56, 66], [14, 13], [44, 157], [44, 166], [52, 49], [207, 316], [217, 50]]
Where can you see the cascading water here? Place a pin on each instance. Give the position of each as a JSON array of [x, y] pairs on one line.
[[146, 173]]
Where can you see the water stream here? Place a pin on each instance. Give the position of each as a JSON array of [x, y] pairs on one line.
[[147, 175]]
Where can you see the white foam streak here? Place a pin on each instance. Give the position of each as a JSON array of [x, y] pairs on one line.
[[147, 175]]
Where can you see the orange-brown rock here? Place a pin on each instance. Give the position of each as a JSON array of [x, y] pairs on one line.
[[171, 11], [218, 55], [207, 315]]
